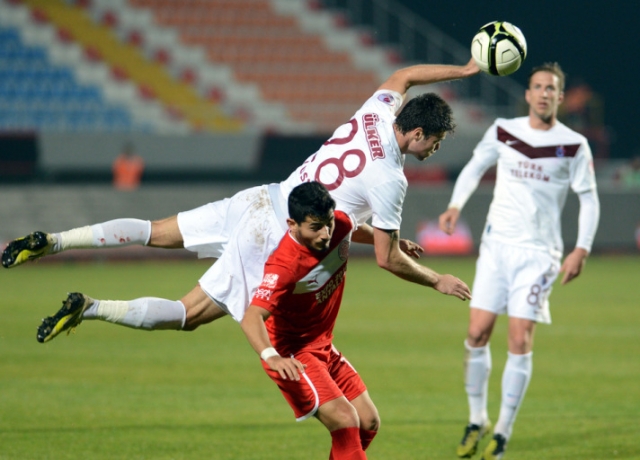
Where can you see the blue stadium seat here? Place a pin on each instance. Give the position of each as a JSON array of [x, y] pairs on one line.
[[35, 94]]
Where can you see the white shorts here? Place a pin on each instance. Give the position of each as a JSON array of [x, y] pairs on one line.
[[241, 232], [514, 280]]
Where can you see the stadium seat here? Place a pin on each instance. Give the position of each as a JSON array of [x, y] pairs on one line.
[[36, 94]]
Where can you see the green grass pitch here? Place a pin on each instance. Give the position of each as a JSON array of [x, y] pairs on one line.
[[108, 392]]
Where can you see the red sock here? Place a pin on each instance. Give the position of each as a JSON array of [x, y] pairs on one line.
[[345, 444], [366, 436]]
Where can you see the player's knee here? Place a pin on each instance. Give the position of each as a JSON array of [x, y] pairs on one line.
[[520, 344], [477, 336], [370, 422], [343, 416]]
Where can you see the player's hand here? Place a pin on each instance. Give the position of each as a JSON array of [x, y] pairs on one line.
[[410, 248], [450, 285], [573, 263], [448, 220], [288, 368], [472, 67]]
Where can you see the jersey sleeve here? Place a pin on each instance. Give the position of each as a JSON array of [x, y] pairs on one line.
[[384, 100], [386, 203], [276, 284], [484, 156], [583, 176]]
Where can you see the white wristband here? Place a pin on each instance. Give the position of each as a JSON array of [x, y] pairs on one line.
[[268, 352]]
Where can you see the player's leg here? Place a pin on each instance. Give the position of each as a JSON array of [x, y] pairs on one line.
[[477, 369], [515, 381], [200, 309], [203, 230], [533, 274], [490, 296], [341, 419], [353, 388], [251, 232], [147, 313], [369, 418], [166, 233], [113, 233]]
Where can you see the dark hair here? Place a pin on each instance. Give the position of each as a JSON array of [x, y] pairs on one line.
[[551, 67], [310, 199], [427, 111]]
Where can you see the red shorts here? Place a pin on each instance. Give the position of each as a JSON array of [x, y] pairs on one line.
[[328, 376]]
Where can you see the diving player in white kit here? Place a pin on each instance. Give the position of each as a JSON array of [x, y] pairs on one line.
[[362, 167]]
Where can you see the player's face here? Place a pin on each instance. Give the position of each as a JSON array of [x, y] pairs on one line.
[[544, 96], [314, 233], [423, 147]]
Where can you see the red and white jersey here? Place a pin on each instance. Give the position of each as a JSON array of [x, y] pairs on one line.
[[535, 169], [303, 289], [361, 165]]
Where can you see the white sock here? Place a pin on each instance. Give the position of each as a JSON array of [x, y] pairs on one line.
[[515, 380], [149, 313], [113, 233], [477, 368]]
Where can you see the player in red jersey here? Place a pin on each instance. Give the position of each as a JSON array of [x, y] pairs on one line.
[[291, 318]]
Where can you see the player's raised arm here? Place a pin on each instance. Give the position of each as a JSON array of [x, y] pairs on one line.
[[424, 74], [390, 257], [253, 327]]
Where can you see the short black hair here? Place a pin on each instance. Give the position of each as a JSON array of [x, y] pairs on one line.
[[310, 199], [551, 67], [429, 112]]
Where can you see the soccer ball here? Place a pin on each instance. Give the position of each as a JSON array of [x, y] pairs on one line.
[[499, 48]]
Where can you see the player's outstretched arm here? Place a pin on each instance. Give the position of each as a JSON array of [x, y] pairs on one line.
[[364, 235], [424, 74], [390, 257], [253, 327]]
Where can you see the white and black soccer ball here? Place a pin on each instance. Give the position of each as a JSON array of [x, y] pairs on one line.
[[499, 48]]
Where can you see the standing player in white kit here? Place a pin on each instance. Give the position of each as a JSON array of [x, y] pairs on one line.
[[361, 166], [538, 159]]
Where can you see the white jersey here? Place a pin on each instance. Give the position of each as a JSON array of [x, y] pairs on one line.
[[535, 169], [361, 165]]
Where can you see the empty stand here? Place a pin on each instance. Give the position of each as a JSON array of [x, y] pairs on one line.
[[317, 85], [37, 95]]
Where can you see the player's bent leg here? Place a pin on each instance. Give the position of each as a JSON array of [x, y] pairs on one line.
[[341, 419], [367, 412], [338, 413], [369, 418], [200, 309]]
